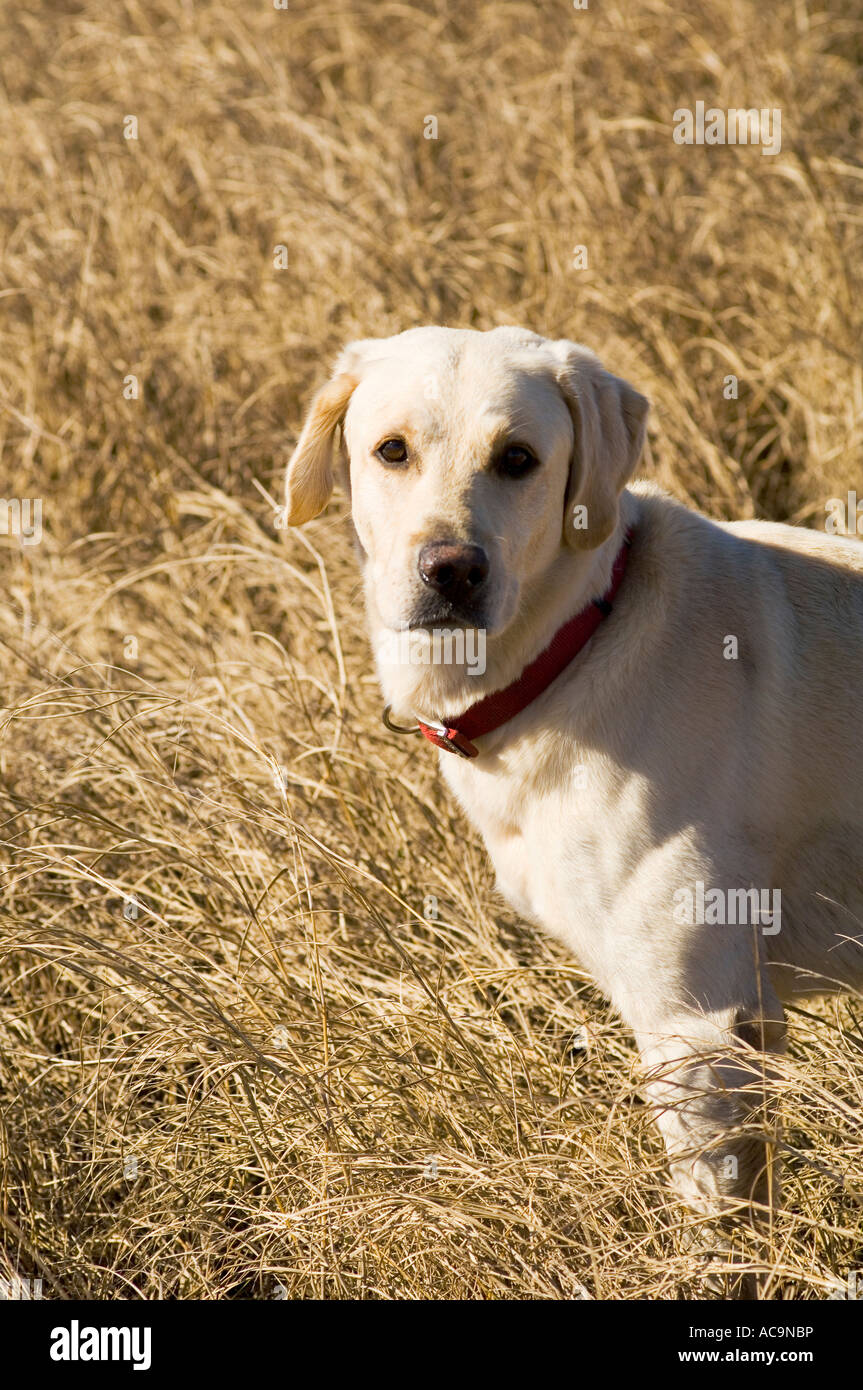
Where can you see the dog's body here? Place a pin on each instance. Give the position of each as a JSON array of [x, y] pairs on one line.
[[709, 734]]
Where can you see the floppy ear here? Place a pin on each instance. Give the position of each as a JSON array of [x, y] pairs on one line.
[[309, 480], [610, 419]]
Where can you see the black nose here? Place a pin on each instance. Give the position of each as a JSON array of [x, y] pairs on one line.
[[454, 569]]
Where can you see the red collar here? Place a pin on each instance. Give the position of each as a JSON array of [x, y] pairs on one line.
[[502, 705]]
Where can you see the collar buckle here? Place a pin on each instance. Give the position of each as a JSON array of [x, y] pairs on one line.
[[451, 740]]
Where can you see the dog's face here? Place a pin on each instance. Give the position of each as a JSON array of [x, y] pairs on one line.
[[459, 458], [472, 459]]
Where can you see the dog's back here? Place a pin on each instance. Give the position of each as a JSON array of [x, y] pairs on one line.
[[822, 872], [796, 608]]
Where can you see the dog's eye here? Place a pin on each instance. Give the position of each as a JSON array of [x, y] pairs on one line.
[[516, 460], [392, 451]]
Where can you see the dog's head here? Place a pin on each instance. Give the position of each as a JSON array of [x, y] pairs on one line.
[[472, 459]]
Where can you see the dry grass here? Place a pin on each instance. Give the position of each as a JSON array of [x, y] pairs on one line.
[[322, 1085]]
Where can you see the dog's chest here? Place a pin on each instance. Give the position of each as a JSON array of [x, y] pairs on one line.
[[554, 851]]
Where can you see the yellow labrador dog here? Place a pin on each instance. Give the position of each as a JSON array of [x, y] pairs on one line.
[[663, 744]]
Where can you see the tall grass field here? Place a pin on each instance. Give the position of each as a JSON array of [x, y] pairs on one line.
[[266, 1029]]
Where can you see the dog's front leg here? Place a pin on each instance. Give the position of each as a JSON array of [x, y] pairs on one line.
[[709, 1083], [713, 1109]]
